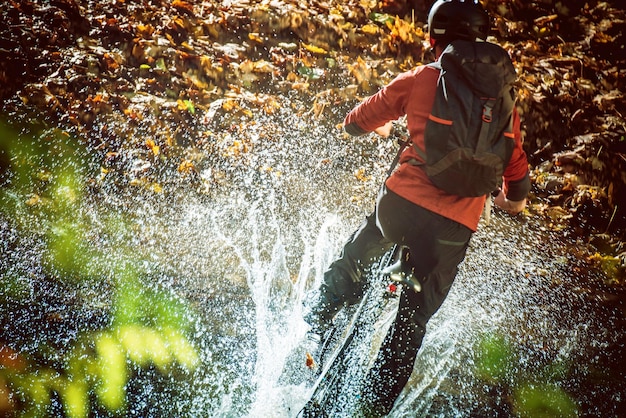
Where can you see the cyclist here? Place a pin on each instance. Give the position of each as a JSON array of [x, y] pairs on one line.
[[413, 212]]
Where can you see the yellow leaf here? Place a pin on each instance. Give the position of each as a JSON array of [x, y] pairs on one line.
[[361, 176], [182, 350], [361, 71], [112, 372], [370, 29], [158, 351], [75, 399], [35, 199], [247, 66], [156, 188], [229, 105], [237, 148], [271, 105], [152, 146], [131, 338], [186, 167], [314, 49], [255, 37]]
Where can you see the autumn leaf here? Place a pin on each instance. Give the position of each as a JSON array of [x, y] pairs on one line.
[[183, 7], [310, 362], [255, 37], [361, 176], [186, 167], [361, 71], [271, 105], [236, 149], [230, 104], [370, 29], [314, 49], [186, 105], [152, 146]]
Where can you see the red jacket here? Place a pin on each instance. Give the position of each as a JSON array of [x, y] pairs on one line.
[[413, 93]]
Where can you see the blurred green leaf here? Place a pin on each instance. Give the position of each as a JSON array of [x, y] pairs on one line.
[[75, 399], [543, 400], [112, 372], [494, 358]]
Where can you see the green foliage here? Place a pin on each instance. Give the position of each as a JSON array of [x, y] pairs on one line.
[[533, 393], [543, 401], [42, 192], [495, 359]]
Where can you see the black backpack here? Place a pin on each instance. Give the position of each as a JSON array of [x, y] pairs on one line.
[[468, 136]]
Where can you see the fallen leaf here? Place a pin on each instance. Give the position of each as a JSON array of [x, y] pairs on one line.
[[310, 362], [314, 49]]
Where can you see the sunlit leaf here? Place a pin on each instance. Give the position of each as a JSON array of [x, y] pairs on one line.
[[370, 29], [113, 374], [181, 349], [255, 37], [183, 6], [314, 49], [230, 104], [361, 71], [186, 167], [132, 340], [271, 105], [39, 387], [157, 348], [361, 176], [186, 105], [75, 399], [152, 146]]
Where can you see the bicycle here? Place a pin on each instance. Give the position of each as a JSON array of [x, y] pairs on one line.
[[345, 351]]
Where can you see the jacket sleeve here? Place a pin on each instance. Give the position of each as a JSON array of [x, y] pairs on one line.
[[387, 104], [516, 174]]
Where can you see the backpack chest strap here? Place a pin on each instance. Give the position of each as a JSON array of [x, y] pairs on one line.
[[483, 136]]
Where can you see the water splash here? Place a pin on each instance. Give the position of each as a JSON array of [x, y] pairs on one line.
[[250, 252], [245, 253]]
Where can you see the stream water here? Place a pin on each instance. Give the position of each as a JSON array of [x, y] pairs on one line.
[[249, 263], [247, 255], [244, 254]]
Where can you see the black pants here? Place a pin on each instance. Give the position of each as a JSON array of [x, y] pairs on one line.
[[437, 246]]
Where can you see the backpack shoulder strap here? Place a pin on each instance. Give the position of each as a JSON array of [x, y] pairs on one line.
[[420, 152]]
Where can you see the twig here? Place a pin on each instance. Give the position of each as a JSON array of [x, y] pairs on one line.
[[611, 220]]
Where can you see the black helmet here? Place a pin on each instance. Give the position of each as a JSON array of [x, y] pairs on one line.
[[457, 19]]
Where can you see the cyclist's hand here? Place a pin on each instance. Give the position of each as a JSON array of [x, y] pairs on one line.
[[511, 206], [384, 130]]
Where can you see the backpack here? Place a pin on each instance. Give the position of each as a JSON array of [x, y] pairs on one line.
[[468, 136]]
